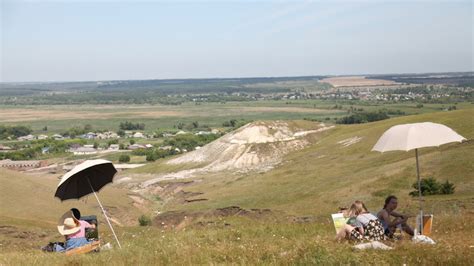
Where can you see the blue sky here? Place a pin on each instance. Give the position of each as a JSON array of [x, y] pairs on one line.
[[105, 40]]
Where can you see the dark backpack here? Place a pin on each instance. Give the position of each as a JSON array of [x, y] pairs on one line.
[[51, 247]]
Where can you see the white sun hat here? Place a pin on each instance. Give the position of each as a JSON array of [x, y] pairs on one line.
[[68, 224]]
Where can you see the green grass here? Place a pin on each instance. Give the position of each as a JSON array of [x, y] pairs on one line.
[[245, 241]]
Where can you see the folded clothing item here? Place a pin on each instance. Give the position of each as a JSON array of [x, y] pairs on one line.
[[372, 245], [423, 239]]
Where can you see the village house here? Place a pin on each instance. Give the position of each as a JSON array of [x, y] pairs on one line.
[[58, 137], [107, 135], [139, 135], [203, 133], [91, 135], [165, 148], [42, 137], [135, 146], [83, 151], [26, 138]]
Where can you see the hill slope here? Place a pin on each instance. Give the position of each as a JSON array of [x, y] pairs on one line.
[[335, 168], [339, 167], [29, 199]]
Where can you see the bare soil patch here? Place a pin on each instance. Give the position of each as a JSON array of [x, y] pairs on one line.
[[13, 237], [286, 110], [17, 115], [181, 219], [356, 81]]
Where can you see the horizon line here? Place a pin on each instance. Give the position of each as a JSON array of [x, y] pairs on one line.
[[243, 77]]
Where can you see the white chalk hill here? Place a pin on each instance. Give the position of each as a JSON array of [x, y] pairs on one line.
[[257, 146]]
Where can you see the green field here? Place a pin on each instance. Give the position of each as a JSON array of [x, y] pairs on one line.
[[59, 118]]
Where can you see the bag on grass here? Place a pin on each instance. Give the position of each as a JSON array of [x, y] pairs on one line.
[[52, 246]]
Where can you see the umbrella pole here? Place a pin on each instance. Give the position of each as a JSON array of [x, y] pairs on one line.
[[103, 211], [419, 191]]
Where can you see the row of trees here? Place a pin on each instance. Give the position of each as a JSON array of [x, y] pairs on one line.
[[77, 131], [363, 117], [127, 125], [182, 142], [189, 141], [14, 131]]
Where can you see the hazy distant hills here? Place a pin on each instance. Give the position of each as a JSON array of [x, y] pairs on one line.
[[212, 85], [165, 86], [460, 79]]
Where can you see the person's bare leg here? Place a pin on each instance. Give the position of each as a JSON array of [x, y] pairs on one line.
[[407, 229], [392, 229], [344, 232], [341, 234]]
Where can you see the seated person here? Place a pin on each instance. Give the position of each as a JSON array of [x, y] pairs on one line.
[[400, 220], [91, 232], [74, 231], [362, 225]]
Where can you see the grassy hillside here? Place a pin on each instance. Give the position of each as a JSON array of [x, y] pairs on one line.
[[31, 197], [311, 182], [326, 175]]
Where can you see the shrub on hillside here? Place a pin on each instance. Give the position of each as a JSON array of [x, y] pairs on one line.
[[363, 117], [139, 152], [447, 188], [144, 220], [155, 154], [429, 186], [124, 158], [151, 157]]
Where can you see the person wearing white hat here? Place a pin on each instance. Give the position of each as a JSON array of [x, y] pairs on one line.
[[74, 231]]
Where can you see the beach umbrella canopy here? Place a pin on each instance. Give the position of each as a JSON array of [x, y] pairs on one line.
[[78, 182], [414, 136], [408, 137], [86, 178]]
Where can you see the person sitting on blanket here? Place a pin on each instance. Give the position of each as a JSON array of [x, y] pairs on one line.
[[362, 225], [73, 229], [400, 220]]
